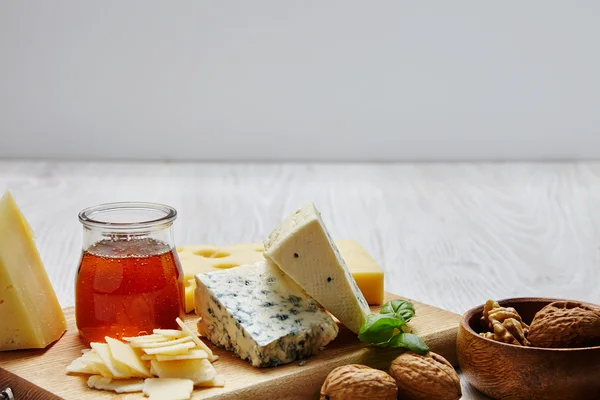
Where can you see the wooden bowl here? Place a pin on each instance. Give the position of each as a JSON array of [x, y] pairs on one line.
[[506, 371]]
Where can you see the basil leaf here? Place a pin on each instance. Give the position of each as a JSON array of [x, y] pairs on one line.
[[399, 308], [380, 328], [410, 342]]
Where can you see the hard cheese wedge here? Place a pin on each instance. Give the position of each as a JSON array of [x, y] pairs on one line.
[[302, 247], [365, 270], [197, 259], [30, 314], [261, 314]]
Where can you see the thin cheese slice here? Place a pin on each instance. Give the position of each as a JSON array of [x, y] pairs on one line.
[[212, 357], [174, 333], [194, 354], [93, 361], [302, 247], [146, 339], [162, 344], [78, 366], [118, 386], [124, 354], [199, 371], [117, 369], [174, 349], [219, 381], [30, 314], [172, 389]]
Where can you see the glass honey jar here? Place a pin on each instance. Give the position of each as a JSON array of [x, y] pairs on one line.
[[129, 280]]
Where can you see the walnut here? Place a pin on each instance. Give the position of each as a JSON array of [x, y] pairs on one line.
[[503, 324], [564, 324], [425, 377], [358, 382]]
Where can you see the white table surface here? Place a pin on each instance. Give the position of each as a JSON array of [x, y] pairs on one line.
[[450, 235]]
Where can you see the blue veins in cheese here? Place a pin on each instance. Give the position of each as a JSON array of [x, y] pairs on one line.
[[261, 314]]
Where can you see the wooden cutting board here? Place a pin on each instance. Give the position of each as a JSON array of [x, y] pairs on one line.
[[297, 380]]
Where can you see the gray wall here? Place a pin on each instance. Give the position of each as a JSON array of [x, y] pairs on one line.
[[297, 80]]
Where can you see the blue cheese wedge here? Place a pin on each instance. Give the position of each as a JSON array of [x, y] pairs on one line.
[[261, 314], [302, 247]]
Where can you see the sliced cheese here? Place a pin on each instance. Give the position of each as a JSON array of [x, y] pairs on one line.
[[302, 247], [212, 357], [117, 369], [179, 348], [124, 354], [78, 366], [146, 338], [368, 274], [29, 309], [194, 354], [118, 386], [171, 333], [93, 361], [161, 344], [219, 381], [172, 389], [199, 371]]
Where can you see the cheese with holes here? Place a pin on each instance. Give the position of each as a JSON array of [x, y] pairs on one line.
[[29, 310], [261, 314], [302, 247], [197, 259]]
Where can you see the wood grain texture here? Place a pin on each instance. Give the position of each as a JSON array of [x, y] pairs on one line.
[[450, 235], [508, 372], [292, 381], [23, 389]]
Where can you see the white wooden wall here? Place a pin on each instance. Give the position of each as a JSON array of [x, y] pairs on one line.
[[300, 80]]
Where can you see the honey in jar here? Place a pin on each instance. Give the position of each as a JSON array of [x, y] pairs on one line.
[[129, 280]]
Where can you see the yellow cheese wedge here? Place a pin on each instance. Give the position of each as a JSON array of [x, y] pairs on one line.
[[29, 310], [206, 258], [365, 270]]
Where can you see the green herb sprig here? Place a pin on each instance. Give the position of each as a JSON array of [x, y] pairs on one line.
[[389, 328]]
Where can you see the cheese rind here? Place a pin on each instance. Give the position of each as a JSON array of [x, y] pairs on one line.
[[261, 314], [197, 259], [29, 310], [302, 247]]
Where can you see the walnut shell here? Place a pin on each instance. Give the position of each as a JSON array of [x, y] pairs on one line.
[[565, 324], [358, 382], [428, 377]]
